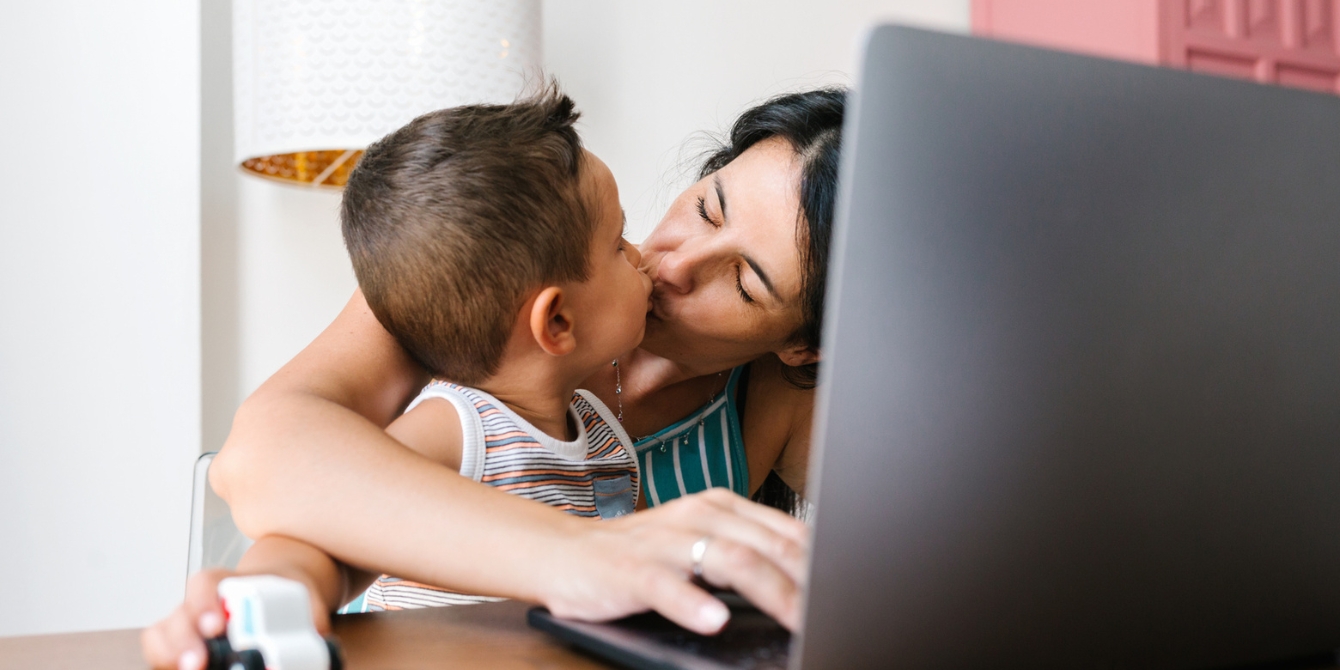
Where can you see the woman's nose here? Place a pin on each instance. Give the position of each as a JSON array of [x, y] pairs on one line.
[[675, 271]]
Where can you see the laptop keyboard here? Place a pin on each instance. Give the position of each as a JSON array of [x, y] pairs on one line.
[[748, 649], [751, 641]]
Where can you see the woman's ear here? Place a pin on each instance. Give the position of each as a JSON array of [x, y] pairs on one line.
[[797, 355], [551, 322]]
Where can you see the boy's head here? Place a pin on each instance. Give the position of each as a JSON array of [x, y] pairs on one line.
[[452, 220]]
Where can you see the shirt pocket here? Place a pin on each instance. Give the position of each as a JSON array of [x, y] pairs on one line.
[[614, 495]]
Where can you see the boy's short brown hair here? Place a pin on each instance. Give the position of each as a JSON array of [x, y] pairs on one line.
[[452, 220]]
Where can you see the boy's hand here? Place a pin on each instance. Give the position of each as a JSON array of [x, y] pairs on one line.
[[177, 642]]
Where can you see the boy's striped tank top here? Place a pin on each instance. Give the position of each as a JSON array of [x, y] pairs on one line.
[[703, 450], [592, 476]]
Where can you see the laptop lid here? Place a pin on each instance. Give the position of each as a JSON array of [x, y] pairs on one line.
[[1080, 401]]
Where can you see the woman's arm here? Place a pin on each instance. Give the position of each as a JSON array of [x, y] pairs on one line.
[[793, 463], [329, 403], [308, 458], [313, 434]]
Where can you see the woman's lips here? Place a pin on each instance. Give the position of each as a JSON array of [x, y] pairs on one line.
[[656, 311]]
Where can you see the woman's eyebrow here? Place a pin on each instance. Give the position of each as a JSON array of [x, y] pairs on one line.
[[721, 197], [762, 276]]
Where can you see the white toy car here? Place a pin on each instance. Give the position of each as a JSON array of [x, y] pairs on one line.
[[269, 628]]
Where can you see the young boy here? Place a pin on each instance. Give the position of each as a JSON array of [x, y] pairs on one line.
[[489, 243]]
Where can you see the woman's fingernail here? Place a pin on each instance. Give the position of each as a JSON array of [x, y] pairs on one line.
[[714, 615], [190, 660], [211, 624]]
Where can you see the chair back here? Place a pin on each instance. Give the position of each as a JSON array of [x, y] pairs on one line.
[[215, 540]]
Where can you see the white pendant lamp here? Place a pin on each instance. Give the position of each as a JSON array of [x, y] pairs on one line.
[[316, 81]]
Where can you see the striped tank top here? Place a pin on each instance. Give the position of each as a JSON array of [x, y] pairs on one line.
[[592, 476], [703, 450]]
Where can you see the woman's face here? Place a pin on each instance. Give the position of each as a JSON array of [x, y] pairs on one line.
[[725, 266]]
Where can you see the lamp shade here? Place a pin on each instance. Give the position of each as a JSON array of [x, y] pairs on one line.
[[316, 81]]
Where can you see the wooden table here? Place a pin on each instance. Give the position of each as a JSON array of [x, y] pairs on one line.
[[493, 635]]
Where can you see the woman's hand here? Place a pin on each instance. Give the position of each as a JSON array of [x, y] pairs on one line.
[[644, 562]]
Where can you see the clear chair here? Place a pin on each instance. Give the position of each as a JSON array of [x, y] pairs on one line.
[[215, 540]]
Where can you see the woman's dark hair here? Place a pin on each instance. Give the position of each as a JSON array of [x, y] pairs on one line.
[[811, 121]]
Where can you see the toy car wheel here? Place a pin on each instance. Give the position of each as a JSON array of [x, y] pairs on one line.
[[218, 651], [336, 661], [249, 659]]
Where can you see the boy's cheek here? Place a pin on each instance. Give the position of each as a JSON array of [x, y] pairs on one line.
[[645, 278]]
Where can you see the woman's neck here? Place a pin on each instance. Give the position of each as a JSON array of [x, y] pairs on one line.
[[655, 391], [645, 374]]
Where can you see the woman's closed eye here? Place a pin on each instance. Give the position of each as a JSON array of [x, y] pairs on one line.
[[702, 212], [739, 270], [739, 284]]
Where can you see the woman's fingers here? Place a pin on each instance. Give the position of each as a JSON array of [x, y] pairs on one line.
[[726, 564], [733, 565], [778, 521], [756, 551], [646, 561], [730, 565], [773, 548], [728, 516], [681, 602]]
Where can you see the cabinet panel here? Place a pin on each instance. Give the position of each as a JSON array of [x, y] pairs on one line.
[[1287, 42]]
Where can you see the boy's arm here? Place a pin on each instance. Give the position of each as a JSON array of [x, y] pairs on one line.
[[433, 430], [328, 582]]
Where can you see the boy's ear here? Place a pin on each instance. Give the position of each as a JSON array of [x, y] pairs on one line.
[[797, 355], [551, 322]]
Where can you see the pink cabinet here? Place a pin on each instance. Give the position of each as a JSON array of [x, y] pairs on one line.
[[1287, 42]]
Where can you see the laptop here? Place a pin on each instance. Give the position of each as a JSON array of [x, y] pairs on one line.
[[1080, 400]]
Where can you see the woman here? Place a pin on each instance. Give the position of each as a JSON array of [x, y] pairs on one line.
[[738, 265]]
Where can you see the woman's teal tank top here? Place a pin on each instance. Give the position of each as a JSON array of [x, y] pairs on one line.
[[700, 451]]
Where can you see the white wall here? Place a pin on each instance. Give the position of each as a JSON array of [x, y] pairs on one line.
[[647, 77], [99, 333], [650, 76]]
